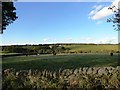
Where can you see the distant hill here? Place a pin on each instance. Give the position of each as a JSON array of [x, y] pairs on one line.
[[68, 48], [94, 48]]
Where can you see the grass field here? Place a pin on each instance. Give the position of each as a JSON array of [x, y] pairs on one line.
[[92, 48], [64, 70], [50, 62]]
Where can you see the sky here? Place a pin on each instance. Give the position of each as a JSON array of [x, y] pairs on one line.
[[61, 22]]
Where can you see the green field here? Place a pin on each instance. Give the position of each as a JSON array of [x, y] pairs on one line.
[[64, 61], [71, 68], [92, 48]]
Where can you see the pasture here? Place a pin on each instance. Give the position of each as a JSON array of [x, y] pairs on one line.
[[106, 48], [63, 61]]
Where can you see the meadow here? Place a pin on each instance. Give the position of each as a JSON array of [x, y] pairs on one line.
[[63, 61], [92, 48], [81, 67]]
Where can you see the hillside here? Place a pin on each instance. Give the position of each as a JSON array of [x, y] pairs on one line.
[[79, 48]]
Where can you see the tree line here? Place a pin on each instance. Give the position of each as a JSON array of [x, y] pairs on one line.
[[34, 49]]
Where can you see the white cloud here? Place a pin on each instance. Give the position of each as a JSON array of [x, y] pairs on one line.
[[104, 12], [104, 40], [116, 3], [96, 8], [112, 40]]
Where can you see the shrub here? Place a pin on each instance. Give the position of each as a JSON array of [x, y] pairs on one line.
[[117, 51]]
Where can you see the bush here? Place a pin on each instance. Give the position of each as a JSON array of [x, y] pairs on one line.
[[72, 52], [117, 51], [81, 51]]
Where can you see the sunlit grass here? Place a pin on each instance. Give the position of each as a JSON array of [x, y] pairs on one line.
[[59, 61]]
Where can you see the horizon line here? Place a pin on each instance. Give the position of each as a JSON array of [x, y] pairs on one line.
[[54, 43]]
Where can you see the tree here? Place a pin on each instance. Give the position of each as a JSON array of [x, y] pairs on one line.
[[116, 18], [116, 22], [53, 48], [8, 14]]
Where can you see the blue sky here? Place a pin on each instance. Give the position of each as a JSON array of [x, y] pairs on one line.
[[52, 22]]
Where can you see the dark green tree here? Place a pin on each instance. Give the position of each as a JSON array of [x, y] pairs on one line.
[[54, 48], [116, 23], [8, 14], [115, 19]]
